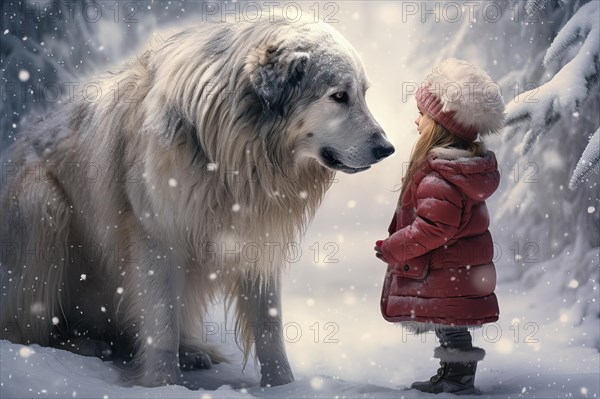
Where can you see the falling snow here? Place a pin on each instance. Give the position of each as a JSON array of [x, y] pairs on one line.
[[316, 383], [26, 352], [545, 344], [573, 284], [211, 167]]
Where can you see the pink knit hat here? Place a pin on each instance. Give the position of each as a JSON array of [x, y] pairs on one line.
[[463, 99]]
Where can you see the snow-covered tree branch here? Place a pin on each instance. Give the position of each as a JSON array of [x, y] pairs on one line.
[[588, 161], [574, 64]]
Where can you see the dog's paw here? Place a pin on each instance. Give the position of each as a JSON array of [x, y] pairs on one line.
[[153, 368], [277, 378], [270, 381], [157, 378], [194, 360], [87, 347]]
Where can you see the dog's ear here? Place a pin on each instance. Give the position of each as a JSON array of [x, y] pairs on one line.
[[276, 74]]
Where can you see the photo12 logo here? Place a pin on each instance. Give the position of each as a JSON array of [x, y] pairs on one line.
[[488, 11], [71, 11], [292, 331], [270, 10], [491, 333]]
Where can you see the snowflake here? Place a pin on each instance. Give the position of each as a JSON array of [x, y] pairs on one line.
[[23, 75]]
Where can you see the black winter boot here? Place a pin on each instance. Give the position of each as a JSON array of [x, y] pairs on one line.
[[456, 373]]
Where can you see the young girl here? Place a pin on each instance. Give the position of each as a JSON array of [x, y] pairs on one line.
[[440, 274]]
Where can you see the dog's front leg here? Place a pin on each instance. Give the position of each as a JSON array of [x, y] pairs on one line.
[[155, 286], [261, 306]]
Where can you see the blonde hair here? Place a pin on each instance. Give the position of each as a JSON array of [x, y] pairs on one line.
[[435, 135]]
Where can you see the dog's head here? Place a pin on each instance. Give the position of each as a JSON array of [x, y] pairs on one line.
[[310, 79]]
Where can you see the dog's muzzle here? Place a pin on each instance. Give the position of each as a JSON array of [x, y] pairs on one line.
[[383, 151], [331, 159]]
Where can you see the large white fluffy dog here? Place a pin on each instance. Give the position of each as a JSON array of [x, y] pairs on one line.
[[183, 180]]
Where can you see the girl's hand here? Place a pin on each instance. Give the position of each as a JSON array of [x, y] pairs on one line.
[[378, 252]]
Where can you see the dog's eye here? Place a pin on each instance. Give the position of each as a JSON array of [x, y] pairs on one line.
[[340, 97]]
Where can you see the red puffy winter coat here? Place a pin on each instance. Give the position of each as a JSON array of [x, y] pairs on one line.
[[440, 249]]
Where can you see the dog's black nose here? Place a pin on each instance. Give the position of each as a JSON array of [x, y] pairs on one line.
[[383, 151]]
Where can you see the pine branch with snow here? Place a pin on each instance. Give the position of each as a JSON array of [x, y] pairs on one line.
[[537, 110], [532, 7], [590, 160]]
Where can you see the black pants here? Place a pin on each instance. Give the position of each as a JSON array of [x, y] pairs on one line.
[[454, 337]]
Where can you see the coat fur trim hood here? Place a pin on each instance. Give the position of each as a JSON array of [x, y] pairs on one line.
[[477, 177]]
